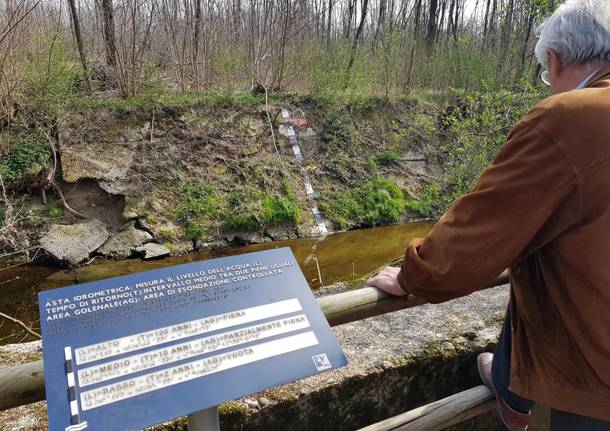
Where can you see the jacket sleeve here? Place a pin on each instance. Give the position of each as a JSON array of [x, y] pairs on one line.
[[486, 230]]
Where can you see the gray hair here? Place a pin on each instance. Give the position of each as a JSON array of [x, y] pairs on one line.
[[578, 31]]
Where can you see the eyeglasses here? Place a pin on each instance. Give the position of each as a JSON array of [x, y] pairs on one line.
[[546, 78]]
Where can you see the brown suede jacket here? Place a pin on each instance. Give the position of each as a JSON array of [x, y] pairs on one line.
[[543, 209]]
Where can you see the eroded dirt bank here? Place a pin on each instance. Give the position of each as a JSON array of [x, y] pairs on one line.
[[163, 181]]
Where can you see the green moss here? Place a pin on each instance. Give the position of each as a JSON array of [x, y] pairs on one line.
[[54, 209], [178, 425], [167, 234], [203, 206], [32, 357], [233, 408], [434, 349], [28, 151]]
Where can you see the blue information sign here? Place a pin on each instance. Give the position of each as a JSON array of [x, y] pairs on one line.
[[132, 351]]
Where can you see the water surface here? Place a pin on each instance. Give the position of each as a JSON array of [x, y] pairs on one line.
[[341, 257]]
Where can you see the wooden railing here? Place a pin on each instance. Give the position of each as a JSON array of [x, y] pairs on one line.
[[440, 414], [24, 384]]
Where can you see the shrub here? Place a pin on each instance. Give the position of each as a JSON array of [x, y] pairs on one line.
[[388, 158], [198, 199], [239, 222], [475, 127], [429, 201], [26, 156], [328, 71], [194, 231], [373, 202], [50, 79]]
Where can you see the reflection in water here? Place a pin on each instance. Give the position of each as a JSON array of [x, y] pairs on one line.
[[341, 257]]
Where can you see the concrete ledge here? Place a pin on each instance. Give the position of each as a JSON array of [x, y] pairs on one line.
[[397, 362]]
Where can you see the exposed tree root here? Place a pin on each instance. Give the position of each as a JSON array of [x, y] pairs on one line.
[[63, 200], [20, 323]]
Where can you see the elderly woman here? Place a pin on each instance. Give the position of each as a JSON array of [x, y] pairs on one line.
[[543, 209]]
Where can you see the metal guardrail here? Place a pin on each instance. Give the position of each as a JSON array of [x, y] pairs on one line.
[[24, 384]]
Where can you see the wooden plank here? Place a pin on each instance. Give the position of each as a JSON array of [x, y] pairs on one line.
[[541, 418], [21, 384], [440, 414], [368, 302], [362, 303], [24, 384]]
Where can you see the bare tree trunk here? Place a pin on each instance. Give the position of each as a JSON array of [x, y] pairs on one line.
[[355, 43], [486, 20], [350, 12], [108, 31], [391, 14], [491, 40], [329, 22], [507, 29], [431, 30], [451, 30], [526, 39], [456, 20], [79, 41], [442, 17], [536, 75], [196, 37], [280, 74], [380, 21], [415, 34]]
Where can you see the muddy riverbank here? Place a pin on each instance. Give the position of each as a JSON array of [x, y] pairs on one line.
[[131, 182]]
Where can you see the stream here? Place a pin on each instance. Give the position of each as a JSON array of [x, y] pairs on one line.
[[341, 257]]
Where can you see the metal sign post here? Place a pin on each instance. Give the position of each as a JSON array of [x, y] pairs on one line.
[[204, 420]]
